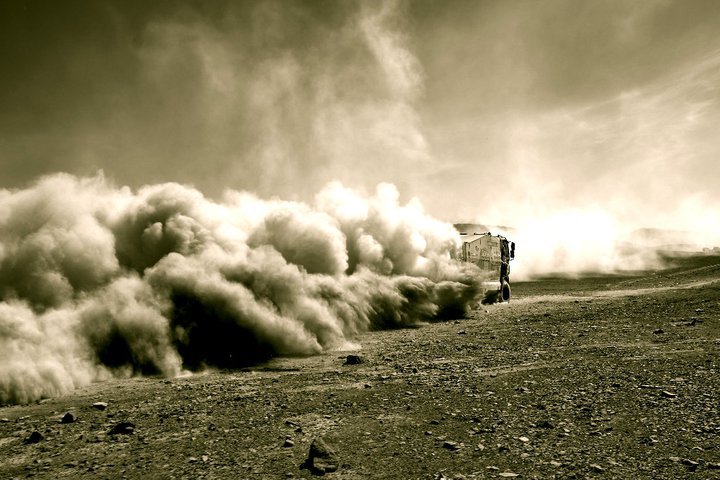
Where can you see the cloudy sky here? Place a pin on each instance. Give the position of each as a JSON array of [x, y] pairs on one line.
[[490, 111]]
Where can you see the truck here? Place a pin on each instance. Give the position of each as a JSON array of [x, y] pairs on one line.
[[492, 254]]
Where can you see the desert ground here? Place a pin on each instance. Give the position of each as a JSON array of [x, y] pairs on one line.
[[614, 376]]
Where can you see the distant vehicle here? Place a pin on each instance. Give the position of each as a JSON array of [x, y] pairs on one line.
[[492, 253]]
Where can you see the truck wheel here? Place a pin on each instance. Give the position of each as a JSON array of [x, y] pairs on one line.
[[505, 292]]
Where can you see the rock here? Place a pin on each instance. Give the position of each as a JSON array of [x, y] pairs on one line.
[[288, 443], [508, 475], [454, 446], [122, 428], [68, 418], [100, 405], [713, 466], [658, 331], [648, 441], [4, 420], [34, 437], [353, 360], [524, 439], [692, 465], [321, 458], [546, 424], [597, 468], [667, 394]]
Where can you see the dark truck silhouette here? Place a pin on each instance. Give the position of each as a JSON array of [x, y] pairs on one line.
[[492, 253]]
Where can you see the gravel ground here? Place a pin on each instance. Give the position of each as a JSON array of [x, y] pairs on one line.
[[600, 377]]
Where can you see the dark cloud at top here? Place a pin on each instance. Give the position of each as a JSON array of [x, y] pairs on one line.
[[486, 110], [218, 94], [532, 55]]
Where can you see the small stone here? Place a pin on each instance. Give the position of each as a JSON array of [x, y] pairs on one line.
[[597, 468], [68, 418], [288, 443], [555, 464], [100, 406], [546, 424], [667, 394], [353, 360], [524, 439], [713, 466], [4, 420], [508, 475], [122, 428], [675, 459], [205, 458], [462, 332], [450, 445], [658, 331], [192, 460], [34, 437]]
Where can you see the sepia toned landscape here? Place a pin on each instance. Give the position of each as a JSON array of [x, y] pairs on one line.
[[360, 239]]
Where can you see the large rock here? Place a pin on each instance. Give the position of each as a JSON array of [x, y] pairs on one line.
[[321, 458]]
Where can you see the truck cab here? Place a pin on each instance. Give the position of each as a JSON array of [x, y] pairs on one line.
[[492, 253]]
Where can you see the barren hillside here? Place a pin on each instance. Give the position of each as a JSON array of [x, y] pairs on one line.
[[606, 377]]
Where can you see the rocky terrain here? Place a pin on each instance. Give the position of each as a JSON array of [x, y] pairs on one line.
[[598, 377]]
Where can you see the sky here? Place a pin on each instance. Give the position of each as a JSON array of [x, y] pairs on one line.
[[598, 114]]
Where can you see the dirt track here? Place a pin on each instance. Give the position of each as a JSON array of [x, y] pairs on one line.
[[606, 377]]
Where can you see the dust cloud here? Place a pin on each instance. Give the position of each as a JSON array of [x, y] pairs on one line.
[[99, 281]]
